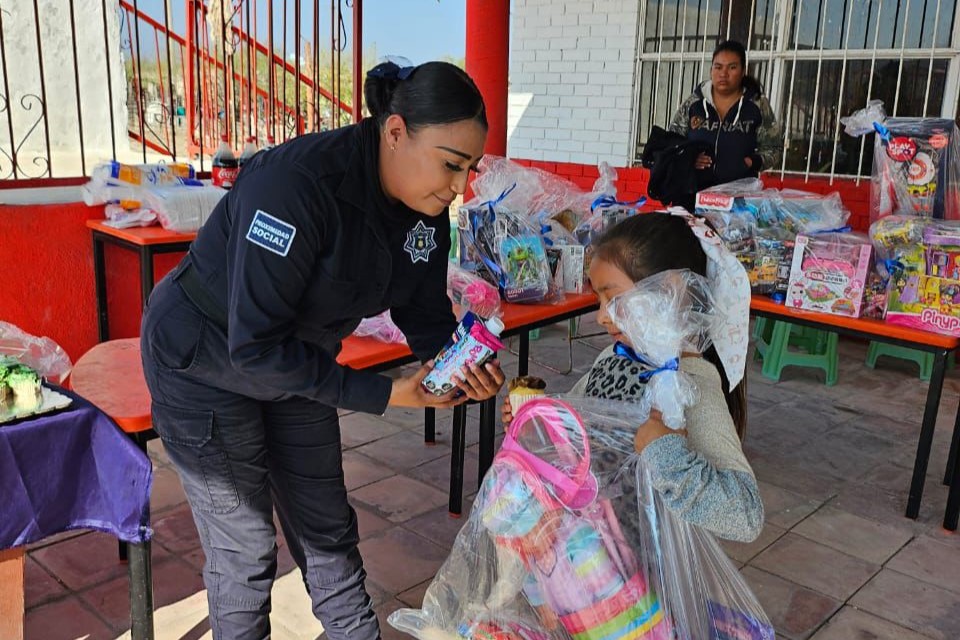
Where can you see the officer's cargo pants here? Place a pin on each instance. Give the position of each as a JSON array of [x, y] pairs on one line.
[[241, 454]]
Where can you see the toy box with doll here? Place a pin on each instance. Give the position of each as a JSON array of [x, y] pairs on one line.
[[829, 272]]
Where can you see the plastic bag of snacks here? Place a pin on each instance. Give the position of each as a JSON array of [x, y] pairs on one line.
[[916, 163], [829, 273]]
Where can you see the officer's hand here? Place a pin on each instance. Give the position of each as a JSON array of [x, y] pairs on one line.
[[480, 383], [702, 161], [407, 392]]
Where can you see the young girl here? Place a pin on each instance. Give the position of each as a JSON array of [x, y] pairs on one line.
[[700, 473]]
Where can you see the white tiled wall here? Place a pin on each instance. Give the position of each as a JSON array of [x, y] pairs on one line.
[[571, 80]]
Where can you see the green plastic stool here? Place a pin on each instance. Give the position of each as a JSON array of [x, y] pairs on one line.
[[924, 359], [773, 347]]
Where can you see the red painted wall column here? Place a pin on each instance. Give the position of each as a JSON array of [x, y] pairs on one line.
[[488, 62]]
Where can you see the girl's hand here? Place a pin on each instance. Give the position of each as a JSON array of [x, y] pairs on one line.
[[480, 383], [408, 392], [703, 161], [652, 429], [506, 413]]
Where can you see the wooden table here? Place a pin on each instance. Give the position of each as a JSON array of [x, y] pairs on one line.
[[146, 242], [939, 345]]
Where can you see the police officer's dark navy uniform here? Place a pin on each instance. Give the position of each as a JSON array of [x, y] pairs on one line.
[[239, 346]]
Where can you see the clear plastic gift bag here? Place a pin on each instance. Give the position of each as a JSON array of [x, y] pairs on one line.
[[803, 212], [664, 316], [380, 327], [916, 163], [472, 293], [568, 539], [41, 354]]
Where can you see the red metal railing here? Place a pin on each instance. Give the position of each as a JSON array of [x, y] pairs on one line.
[[230, 69]]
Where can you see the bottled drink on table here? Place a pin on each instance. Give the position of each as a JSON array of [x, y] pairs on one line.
[[249, 150], [225, 166]]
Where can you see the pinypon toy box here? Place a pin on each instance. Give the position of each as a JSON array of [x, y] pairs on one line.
[[828, 273], [925, 288]]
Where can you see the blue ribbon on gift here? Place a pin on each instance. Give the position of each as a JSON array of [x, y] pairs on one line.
[[892, 265], [476, 220], [882, 131], [610, 201], [843, 229], [625, 351]]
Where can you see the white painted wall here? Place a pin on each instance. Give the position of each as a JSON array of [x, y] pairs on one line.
[[23, 105], [571, 80]]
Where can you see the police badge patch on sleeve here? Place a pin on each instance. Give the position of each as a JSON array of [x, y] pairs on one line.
[[271, 233], [420, 243]]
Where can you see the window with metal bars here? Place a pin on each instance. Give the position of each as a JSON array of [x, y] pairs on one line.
[[817, 60]]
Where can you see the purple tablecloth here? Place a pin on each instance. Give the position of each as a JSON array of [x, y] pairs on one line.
[[74, 469]]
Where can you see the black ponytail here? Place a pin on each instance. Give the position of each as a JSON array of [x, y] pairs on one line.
[[429, 94]]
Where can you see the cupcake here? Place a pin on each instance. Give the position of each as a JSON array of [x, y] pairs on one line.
[[525, 388]]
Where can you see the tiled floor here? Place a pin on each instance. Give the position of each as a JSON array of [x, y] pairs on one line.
[[836, 561]]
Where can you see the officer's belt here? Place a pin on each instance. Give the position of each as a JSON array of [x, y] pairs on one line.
[[200, 296]]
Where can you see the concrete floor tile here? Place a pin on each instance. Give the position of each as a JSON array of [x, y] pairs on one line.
[[399, 498], [743, 552], [176, 530], [173, 581], [399, 559], [87, 560], [292, 616], [438, 526], [815, 566], [781, 470], [436, 473], [414, 597], [853, 624], [359, 470], [785, 508], [402, 451], [66, 619], [931, 561], [368, 522], [853, 535], [357, 429], [157, 454], [795, 612], [38, 585], [908, 602]]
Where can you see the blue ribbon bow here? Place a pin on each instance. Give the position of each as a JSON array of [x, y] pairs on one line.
[[609, 201], [391, 72], [882, 131], [892, 265], [843, 229], [627, 352], [476, 221]]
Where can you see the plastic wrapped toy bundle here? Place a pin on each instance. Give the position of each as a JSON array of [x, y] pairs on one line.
[[916, 163], [567, 537], [544, 555], [803, 212], [472, 293], [503, 244]]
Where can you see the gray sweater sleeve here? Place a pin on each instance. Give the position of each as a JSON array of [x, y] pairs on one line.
[[705, 478]]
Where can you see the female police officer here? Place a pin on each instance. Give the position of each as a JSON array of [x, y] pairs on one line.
[[240, 340]]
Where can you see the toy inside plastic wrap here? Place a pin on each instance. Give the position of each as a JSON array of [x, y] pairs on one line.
[[728, 211], [41, 354], [472, 293], [504, 245], [829, 273], [924, 289], [605, 211], [664, 316], [380, 327], [124, 184], [916, 163], [802, 212], [545, 556]]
